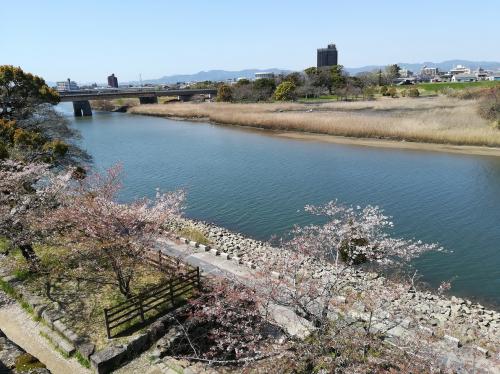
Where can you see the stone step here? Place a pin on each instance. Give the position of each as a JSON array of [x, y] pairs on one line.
[[58, 341]]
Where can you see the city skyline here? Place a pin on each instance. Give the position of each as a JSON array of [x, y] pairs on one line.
[[165, 39]]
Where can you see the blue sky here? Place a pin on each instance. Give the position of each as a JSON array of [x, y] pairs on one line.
[[87, 40]]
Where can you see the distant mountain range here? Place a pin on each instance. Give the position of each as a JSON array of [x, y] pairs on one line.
[[212, 75], [220, 75]]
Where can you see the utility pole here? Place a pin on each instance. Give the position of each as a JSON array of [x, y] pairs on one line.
[[140, 79]]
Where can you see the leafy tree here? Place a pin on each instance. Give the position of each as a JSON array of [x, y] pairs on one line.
[[392, 72], [23, 92], [338, 79], [285, 91], [265, 83], [224, 93], [296, 78], [243, 82]]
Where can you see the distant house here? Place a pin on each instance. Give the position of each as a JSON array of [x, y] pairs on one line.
[[264, 75], [494, 77], [464, 77], [67, 85], [460, 69]]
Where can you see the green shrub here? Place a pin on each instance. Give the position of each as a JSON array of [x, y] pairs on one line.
[[3, 151], [383, 90], [285, 91], [392, 92], [25, 363], [413, 92], [57, 147], [195, 235], [224, 93]]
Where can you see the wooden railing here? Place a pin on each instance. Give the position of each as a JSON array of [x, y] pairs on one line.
[[164, 262], [155, 301]]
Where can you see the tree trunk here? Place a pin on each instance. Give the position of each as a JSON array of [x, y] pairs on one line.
[[31, 258]]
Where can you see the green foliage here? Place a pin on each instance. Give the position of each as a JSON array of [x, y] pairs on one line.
[[4, 154], [285, 91], [26, 363], [23, 91], [413, 92], [312, 71], [194, 234], [56, 147], [243, 82], [383, 90], [459, 86], [82, 360], [224, 93], [369, 92], [8, 289], [265, 83]]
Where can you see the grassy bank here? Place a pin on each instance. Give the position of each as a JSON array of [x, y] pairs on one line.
[[439, 119]]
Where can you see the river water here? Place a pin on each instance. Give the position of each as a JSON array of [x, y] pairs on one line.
[[256, 183]]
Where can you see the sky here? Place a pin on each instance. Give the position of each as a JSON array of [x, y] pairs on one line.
[[88, 40]]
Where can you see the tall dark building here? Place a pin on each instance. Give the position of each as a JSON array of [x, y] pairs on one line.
[[327, 56], [113, 81]]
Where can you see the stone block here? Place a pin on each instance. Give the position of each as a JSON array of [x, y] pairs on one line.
[[202, 247], [482, 351], [225, 255], [50, 316], [138, 344], [66, 347], [236, 259], [38, 310], [86, 349], [59, 326], [193, 244], [214, 251], [108, 359], [452, 341]]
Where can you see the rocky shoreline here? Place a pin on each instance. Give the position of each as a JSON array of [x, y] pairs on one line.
[[466, 321]]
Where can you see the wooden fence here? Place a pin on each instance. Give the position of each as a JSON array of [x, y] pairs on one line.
[[157, 300]]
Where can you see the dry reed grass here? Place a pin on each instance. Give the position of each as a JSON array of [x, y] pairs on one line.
[[431, 120]]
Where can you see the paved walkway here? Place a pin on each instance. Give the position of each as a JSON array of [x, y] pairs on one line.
[[215, 265], [25, 332]]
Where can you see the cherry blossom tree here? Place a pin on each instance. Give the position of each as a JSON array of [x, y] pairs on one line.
[[348, 237], [20, 201], [105, 234]]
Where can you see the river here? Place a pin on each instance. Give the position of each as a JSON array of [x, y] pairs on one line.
[[256, 183]]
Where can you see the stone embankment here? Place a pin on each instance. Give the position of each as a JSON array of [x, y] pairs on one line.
[[13, 359], [458, 320]]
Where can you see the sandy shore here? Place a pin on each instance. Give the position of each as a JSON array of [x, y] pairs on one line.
[[395, 144], [364, 142]]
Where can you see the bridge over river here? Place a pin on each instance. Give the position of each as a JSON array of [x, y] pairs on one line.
[[81, 105]]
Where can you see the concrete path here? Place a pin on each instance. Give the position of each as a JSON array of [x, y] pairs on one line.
[[25, 332], [215, 265]]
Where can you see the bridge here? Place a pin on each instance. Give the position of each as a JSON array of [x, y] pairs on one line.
[[81, 104]]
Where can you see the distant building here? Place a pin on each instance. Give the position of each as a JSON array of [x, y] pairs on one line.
[[429, 72], [112, 81], [405, 73], [481, 74], [464, 78], [67, 85], [264, 75], [327, 56], [494, 77], [460, 69]]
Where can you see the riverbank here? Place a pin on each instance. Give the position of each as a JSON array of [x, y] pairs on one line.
[[432, 123], [470, 322]]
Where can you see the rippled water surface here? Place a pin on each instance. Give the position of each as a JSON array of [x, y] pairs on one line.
[[257, 183]]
